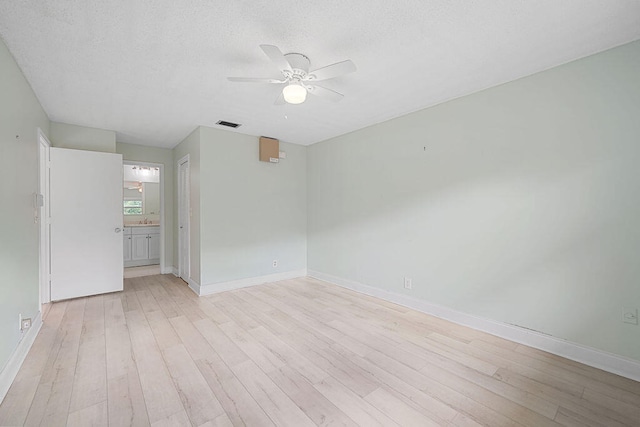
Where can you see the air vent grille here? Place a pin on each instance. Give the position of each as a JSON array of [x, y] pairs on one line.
[[228, 124]]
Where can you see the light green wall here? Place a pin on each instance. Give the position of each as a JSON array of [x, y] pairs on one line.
[[141, 153], [252, 212], [518, 204], [64, 135], [20, 115], [244, 213], [190, 146]]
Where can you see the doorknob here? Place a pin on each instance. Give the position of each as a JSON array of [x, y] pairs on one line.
[[181, 227], [117, 230]]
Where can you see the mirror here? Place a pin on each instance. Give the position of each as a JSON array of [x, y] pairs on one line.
[[141, 192]]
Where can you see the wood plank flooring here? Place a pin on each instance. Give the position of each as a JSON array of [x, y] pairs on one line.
[[293, 353]]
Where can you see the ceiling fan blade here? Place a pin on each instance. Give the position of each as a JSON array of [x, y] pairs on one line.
[[331, 71], [280, 100], [276, 56], [323, 92], [254, 80]]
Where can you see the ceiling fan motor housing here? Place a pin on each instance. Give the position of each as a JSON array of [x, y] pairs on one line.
[[299, 64]]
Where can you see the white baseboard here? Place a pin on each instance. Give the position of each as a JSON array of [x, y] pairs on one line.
[[193, 285], [170, 270], [12, 367], [609, 362], [250, 281]]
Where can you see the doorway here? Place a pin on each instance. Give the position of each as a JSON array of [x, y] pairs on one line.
[[184, 218], [143, 218]]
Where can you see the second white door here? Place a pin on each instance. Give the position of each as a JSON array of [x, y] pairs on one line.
[[184, 214]]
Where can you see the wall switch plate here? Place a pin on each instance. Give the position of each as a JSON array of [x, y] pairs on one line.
[[408, 283], [630, 315], [282, 154]]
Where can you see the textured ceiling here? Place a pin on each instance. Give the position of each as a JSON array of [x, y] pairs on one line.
[[153, 70]]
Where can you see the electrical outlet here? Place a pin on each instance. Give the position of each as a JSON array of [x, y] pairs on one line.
[[630, 315], [275, 263], [408, 283], [25, 323]]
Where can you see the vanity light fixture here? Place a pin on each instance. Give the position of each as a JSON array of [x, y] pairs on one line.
[[145, 171]]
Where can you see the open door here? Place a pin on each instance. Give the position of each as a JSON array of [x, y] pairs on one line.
[[86, 223], [42, 206]]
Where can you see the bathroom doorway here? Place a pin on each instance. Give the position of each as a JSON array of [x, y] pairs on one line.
[[143, 218]]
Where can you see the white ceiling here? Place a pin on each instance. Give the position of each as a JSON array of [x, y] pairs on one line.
[[154, 70]]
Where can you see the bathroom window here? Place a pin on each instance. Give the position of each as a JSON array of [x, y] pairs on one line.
[[133, 207]]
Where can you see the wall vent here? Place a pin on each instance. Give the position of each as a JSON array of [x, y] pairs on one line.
[[228, 124]]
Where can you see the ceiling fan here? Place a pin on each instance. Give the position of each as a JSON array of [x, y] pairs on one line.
[[133, 185], [297, 77]]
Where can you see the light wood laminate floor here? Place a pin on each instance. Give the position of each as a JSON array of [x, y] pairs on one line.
[[144, 270], [294, 353]]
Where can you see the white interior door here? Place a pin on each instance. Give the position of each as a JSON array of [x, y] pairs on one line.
[[42, 205], [183, 219], [86, 223]]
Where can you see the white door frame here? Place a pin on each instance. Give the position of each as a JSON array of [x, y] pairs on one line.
[[41, 206], [162, 218], [184, 220]]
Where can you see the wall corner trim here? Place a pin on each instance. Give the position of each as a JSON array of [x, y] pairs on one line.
[[10, 370], [609, 362], [194, 286], [214, 288]]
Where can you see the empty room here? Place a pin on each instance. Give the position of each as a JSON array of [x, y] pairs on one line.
[[286, 213]]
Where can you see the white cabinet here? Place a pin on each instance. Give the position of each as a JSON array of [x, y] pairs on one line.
[[139, 247], [127, 244], [143, 245], [154, 246]]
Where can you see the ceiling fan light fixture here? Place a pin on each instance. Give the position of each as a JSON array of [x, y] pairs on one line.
[[298, 81], [294, 93]]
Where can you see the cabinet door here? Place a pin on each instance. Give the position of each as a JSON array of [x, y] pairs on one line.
[[127, 247], [154, 246], [139, 247]]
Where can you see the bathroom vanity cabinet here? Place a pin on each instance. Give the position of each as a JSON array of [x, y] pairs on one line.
[[141, 245]]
